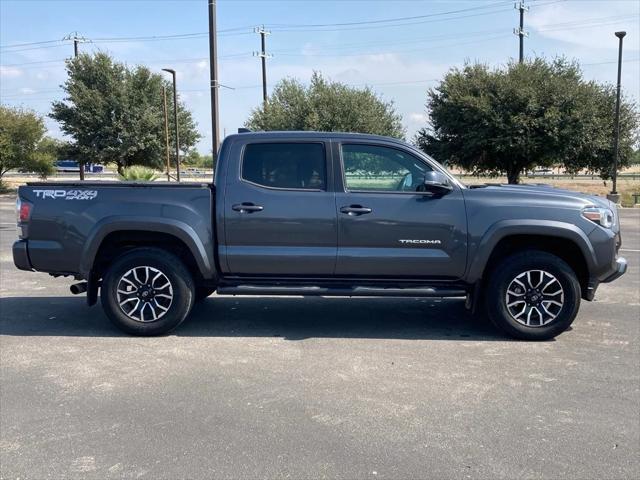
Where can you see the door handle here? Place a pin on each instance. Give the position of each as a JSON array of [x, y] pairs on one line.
[[247, 207], [355, 210]]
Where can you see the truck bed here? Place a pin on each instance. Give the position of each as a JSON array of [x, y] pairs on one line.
[[71, 221], [118, 184]]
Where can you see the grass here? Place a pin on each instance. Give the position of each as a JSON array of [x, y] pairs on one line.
[[6, 187], [626, 187]]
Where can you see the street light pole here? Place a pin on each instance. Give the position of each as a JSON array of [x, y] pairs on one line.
[[213, 73], [616, 152], [175, 119], [166, 131]]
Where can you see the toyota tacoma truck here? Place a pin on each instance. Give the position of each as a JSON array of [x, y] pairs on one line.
[[331, 214]]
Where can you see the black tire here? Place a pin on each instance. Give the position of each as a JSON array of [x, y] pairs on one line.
[[509, 269], [170, 312], [203, 292]]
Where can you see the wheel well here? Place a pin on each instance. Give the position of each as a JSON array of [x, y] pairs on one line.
[[564, 248], [116, 243]]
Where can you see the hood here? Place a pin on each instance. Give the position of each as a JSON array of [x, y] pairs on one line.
[[536, 190]]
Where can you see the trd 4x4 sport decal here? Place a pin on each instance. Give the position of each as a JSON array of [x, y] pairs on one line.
[[67, 194]]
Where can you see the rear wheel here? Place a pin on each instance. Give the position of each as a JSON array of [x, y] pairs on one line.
[[147, 291], [532, 295]]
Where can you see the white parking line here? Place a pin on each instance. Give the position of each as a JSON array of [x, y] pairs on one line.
[[628, 250]]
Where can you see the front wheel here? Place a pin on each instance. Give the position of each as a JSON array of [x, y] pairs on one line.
[[147, 291], [532, 295]]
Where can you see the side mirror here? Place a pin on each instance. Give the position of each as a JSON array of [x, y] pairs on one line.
[[436, 183]]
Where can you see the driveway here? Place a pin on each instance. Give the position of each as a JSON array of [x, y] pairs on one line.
[[310, 388]]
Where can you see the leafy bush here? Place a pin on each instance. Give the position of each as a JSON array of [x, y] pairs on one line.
[[138, 174], [4, 188]]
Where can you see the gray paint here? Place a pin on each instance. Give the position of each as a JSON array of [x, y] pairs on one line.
[[303, 233]]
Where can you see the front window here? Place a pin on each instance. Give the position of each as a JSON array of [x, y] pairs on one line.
[[378, 168]]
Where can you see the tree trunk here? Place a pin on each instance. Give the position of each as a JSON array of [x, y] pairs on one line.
[[120, 169], [513, 176]]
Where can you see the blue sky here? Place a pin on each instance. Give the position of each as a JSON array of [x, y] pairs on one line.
[[399, 59]]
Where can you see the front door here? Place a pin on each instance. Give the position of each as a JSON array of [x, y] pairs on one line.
[[279, 215], [387, 227]]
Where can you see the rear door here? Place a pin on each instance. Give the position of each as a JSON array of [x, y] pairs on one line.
[[279, 212], [386, 226]]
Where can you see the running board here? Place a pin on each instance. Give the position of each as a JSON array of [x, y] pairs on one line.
[[341, 291]]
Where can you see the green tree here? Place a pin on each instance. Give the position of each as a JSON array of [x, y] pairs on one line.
[[512, 119], [328, 107], [195, 159], [23, 145], [115, 114]]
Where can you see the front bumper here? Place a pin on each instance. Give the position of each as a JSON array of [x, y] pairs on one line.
[[621, 268], [21, 255]]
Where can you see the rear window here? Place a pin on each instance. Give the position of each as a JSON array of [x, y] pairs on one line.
[[285, 165]]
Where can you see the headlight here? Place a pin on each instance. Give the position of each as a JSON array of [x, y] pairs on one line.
[[599, 215]]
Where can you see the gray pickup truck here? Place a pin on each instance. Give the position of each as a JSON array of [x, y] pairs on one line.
[[307, 213]]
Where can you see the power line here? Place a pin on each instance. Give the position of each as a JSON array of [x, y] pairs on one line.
[[35, 48], [29, 44], [503, 35], [495, 9], [610, 61], [343, 46], [246, 30], [576, 24], [589, 24], [429, 39], [387, 20], [235, 30]]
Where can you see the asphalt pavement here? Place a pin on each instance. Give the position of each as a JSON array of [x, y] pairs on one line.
[[315, 388]]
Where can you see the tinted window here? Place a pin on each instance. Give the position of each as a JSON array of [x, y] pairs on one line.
[[285, 165], [372, 167]]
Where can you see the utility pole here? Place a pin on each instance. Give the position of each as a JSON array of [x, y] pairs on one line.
[[77, 39], [616, 152], [263, 56], [213, 73], [520, 31], [175, 119], [166, 131]]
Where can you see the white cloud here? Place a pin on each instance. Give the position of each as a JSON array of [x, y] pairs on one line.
[[202, 65], [27, 90], [10, 72], [587, 25], [418, 117]]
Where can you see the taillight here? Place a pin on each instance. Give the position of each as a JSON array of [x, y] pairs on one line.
[[23, 210]]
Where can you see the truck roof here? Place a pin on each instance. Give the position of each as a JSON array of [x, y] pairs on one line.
[[314, 134]]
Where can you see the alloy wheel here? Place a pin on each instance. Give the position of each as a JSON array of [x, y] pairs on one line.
[[144, 294], [534, 298]]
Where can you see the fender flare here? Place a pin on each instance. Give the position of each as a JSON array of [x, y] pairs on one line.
[[506, 228], [175, 228]]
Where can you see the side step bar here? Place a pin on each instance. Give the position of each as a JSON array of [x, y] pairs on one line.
[[341, 291]]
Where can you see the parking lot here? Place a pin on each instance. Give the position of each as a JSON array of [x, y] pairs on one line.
[[312, 388]]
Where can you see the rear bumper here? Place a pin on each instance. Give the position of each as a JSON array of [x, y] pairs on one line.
[[21, 255], [621, 268]]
